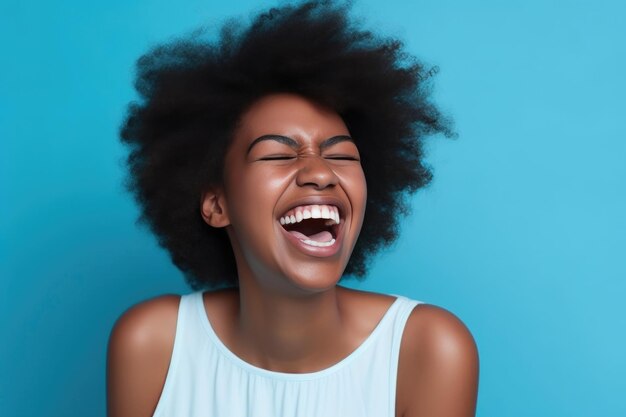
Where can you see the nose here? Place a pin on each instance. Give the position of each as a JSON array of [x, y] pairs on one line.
[[314, 171]]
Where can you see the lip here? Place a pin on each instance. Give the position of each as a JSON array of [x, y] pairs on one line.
[[316, 251]]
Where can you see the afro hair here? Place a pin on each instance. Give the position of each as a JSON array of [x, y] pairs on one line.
[[194, 90]]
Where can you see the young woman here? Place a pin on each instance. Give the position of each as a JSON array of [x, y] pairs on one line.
[[258, 160]]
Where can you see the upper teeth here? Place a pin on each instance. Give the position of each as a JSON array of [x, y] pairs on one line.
[[315, 211]]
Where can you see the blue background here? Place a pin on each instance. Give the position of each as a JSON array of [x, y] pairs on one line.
[[522, 234]]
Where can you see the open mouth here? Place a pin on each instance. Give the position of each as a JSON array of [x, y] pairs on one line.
[[314, 225]]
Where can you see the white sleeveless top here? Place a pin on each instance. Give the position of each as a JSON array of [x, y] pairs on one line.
[[206, 379]]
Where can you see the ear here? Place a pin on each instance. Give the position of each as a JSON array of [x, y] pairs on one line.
[[213, 208]]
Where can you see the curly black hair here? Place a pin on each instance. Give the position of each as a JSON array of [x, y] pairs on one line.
[[193, 92]]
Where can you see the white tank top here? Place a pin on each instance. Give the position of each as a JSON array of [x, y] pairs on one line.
[[206, 379]]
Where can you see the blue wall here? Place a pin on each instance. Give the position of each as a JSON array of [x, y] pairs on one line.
[[522, 233]]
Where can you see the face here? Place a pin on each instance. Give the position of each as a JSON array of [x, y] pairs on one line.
[[294, 194]]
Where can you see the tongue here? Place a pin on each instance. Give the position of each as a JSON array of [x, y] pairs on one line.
[[318, 237]]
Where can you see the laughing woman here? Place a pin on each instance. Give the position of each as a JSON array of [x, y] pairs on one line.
[[270, 163]]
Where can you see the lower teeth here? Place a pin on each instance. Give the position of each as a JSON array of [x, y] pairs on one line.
[[318, 244]]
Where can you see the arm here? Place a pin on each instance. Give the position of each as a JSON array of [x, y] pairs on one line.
[[438, 369], [140, 348]]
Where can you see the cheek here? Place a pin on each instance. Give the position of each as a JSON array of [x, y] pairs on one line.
[[253, 193], [262, 184], [363, 183], [356, 188]]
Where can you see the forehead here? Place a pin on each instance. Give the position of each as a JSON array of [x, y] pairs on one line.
[[290, 115]]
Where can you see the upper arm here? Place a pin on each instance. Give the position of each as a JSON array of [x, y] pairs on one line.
[[438, 372], [140, 348]]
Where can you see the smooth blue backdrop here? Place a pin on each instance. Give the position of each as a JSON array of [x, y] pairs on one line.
[[522, 233]]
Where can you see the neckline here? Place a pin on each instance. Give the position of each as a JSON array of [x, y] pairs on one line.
[[236, 360]]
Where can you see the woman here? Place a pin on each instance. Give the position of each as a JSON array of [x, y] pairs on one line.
[[258, 160]]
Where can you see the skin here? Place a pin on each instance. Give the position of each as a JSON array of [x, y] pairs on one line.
[[289, 314]]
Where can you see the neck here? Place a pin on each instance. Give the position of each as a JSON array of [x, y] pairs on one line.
[[289, 333]]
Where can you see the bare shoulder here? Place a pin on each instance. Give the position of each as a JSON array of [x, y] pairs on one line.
[[436, 333], [140, 349], [146, 322], [438, 368]]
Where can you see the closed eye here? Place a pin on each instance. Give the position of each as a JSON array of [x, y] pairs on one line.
[[276, 158], [342, 158]]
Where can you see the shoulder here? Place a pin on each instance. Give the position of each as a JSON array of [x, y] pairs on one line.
[[438, 334], [139, 352], [149, 326], [438, 372]]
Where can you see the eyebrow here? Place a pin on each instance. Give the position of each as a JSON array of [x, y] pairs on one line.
[[292, 143]]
